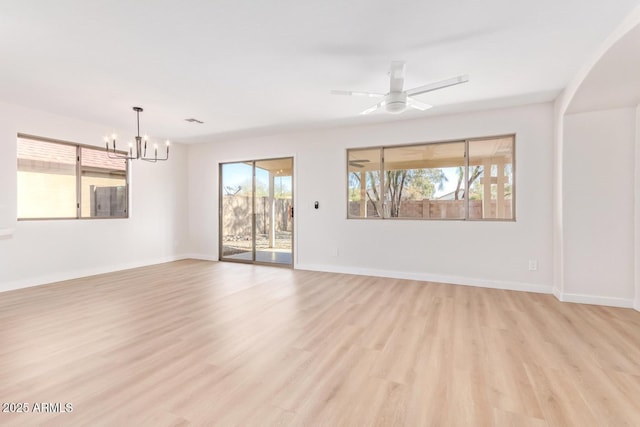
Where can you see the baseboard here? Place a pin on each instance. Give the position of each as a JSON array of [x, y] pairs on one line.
[[77, 274], [455, 280], [202, 257], [425, 277], [597, 300], [636, 306]]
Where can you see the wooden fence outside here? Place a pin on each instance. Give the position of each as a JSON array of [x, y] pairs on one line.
[[437, 209]]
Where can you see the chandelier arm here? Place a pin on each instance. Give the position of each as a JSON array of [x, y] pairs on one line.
[[121, 158], [155, 159], [112, 154]]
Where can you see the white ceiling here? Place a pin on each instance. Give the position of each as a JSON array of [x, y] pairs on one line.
[[252, 67]]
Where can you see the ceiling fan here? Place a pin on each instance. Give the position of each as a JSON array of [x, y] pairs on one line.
[[358, 163], [397, 100]]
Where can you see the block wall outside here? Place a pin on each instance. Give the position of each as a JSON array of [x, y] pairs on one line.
[[236, 215]]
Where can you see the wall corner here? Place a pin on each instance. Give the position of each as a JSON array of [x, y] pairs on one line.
[[636, 212], [558, 230]]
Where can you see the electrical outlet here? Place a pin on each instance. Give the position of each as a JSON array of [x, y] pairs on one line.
[[335, 252], [533, 265]]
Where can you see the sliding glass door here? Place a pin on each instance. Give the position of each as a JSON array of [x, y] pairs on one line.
[[256, 211], [236, 200]]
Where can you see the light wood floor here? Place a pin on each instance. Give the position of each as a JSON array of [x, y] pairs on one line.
[[204, 343]]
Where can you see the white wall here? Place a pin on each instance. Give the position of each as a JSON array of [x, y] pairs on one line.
[[598, 207], [558, 232], [482, 253], [39, 252], [636, 233], [615, 289]]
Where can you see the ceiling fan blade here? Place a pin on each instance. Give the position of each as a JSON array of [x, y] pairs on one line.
[[414, 103], [354, 93], [438, 85], [374, 108], [396, 76]]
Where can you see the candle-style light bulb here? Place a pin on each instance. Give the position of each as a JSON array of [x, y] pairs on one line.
[[114, 136]]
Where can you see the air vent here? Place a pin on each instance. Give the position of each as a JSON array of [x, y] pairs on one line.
[[192, 120]]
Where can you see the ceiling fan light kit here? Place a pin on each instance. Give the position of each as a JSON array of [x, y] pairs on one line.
[[397, 100]]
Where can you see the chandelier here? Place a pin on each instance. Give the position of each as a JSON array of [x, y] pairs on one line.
[[140, 143]]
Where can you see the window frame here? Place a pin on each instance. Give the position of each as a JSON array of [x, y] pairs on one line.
[[466, 142], [78, 177]]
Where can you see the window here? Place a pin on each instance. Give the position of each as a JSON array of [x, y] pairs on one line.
[[58, 179], [364, 183], [469, 179], [491, 188]]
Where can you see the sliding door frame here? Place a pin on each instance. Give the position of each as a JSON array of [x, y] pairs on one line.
[[253, 214]]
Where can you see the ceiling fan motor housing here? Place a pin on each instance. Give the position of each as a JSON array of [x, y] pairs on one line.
[[396, 102]]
